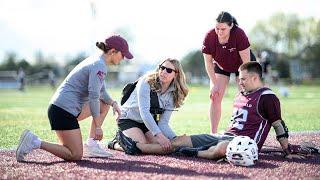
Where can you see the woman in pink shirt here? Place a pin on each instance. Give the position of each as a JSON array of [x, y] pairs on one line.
[[225, 48]]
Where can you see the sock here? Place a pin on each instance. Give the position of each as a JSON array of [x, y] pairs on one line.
[[37, 143], [91, 142]]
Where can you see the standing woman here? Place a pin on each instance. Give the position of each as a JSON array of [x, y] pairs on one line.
[[136, 121], [225, 48], [82, 94]]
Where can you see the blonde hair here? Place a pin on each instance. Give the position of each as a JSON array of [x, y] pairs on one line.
[[179, 82]]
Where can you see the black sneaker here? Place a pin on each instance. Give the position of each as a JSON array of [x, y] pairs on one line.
[[188, 151], [310, 147], [113, 142], [128, 145]]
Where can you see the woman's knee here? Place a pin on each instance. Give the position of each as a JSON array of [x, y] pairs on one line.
[[136, 134], [75, 156]]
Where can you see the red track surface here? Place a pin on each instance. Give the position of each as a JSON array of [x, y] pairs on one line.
[[42, 165]]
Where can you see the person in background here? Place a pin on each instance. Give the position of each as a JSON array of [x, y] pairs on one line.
[[52, 79], [21, 79], [225, 48], [82, 94]]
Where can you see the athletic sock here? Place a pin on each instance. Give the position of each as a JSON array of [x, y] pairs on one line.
[[37, 143]]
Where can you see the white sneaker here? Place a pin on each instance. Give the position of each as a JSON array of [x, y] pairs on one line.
[[26, 144], [95, 151]]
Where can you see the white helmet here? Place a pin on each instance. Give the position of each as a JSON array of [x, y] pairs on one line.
[[243, 151]]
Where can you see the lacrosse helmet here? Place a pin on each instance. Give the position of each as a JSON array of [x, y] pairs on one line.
[[243, 151]]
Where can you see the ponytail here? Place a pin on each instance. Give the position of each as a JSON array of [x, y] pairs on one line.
[[102, 46]]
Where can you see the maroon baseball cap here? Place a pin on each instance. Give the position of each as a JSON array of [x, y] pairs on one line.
[[119, 44]]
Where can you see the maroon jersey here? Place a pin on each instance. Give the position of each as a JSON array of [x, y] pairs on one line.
[[248, 120], [226, 55]]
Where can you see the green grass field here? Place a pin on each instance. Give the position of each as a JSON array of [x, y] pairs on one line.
[[21, 110]]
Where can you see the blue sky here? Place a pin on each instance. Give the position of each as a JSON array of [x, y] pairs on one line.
[[160, 29]]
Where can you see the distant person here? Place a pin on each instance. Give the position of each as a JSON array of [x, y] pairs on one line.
[[266, 67], [81, 95], [21, 79], [256, 109], [168, 83], [52, 79], [225, 48]]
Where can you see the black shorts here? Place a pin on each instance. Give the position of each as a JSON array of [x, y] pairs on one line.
[[218, 70], [60, 119], [125, 124]]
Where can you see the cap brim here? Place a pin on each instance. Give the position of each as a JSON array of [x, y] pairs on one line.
[[128, 55]]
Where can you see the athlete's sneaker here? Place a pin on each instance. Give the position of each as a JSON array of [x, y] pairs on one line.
[[128, 145], [188, 151], [310, 147], [95, 151], [26, 144]]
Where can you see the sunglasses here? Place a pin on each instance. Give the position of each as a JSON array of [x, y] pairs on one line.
[[169, 70]]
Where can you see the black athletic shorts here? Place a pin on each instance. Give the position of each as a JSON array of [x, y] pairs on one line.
[[125, 124], [60, 119], [218, 70]]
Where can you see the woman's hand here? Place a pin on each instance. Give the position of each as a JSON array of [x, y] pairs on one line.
[[116, 109], [164, 142], [98, 134]]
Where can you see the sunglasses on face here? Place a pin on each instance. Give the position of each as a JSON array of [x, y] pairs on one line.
[[169, 70]]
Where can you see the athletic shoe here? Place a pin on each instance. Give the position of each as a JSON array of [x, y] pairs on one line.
[[188, 151], [128, 145], [310, 147], [113, 142], [26, 144], [95, 151]]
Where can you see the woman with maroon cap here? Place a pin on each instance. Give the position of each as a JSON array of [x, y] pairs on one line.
[[225, 48], [81, 95]]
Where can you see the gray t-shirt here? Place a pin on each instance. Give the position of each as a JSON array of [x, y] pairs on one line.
[[138, 105], [85, 83]]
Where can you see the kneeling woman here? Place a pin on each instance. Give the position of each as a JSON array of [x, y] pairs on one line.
[[136, 120]]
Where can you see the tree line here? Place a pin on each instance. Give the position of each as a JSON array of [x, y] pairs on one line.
[[285, 37]]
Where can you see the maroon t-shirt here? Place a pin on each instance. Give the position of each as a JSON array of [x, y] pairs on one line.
[[226, 55], [254, 113]]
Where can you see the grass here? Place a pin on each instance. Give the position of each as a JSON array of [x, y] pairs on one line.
[[21, 110]]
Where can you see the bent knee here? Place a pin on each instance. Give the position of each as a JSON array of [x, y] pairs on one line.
[[77, 157], [74, 156]]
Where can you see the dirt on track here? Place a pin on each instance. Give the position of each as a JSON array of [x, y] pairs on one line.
[[42, 165]]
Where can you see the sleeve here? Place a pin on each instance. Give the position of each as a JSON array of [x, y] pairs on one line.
[[208, 43], [242, 39], [96, 81], [143, 93], [164, 122], [104, 94], [269, 107]]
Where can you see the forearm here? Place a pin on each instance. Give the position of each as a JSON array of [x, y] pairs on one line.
[[245, 55], [284, 142], [209, 65]]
